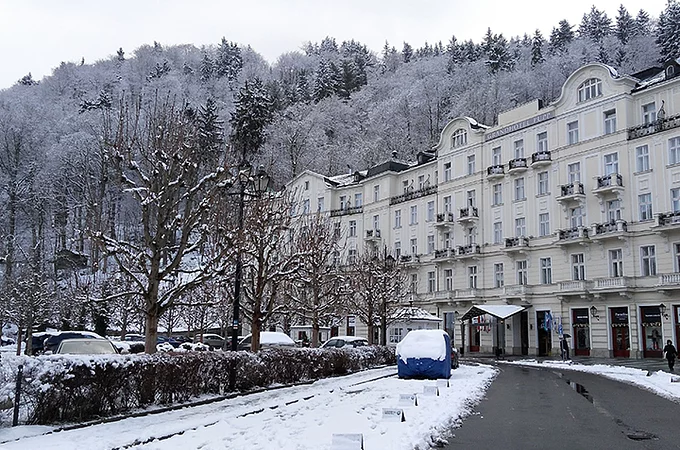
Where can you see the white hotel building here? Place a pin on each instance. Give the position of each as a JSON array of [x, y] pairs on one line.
[[568, 211]]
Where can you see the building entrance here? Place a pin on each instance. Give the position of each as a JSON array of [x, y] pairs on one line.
[[581, 325], [620, 332], [652, 341]]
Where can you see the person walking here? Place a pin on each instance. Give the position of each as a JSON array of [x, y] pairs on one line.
[[671, 353], [564, 346]]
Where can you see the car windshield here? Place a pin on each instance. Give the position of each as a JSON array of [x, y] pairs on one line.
[[89, 347]]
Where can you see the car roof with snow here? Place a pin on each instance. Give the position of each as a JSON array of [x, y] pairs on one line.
[[274, 337], [349, 338]]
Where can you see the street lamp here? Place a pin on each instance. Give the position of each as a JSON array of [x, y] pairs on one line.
[[388, 261], [662, 309]]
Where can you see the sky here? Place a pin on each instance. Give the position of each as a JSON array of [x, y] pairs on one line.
[[37, 35]]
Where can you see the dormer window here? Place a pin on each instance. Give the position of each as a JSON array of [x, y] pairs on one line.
[[590, 88], [670, 71], [459, 138]]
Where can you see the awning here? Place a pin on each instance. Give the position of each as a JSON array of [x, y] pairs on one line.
[[499, 311]]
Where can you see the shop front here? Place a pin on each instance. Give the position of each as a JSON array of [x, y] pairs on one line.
[[580, 320], [620, 330], [652, 339]]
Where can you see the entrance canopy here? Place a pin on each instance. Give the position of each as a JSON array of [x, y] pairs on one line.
[[499, 311]]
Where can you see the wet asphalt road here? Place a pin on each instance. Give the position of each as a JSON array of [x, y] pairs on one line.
[[532, 408]]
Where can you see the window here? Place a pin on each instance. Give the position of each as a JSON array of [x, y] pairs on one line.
[[470, 164], [648, 113], [471, 198], [645, 202], [522, 273], [397, 218], [519, 149], [306, 185], [352, 256], [396, 335], [397, 250], [613, 210], [544, 224], [343, 202], [405, 185], [430, 244], [546, 270], [358, 199], [430, 211], [497, 232], [615, 263], [519, 189], [336, 258], [448, 206], [642, 158], [421, 181], [431, 282], [497, 194], [471, 235], [447, 171], [376, 222], [305, 206], [578, 267], [542, 142], [414, 214], [572, 133], [472, 277], [574, 172], [670, 71], [543, 186], [520, 227], [336, 230], [610, 122], [648, 260], [675, 199], [414, 246], [674, 150], [498, 274], [447, 240], [414, 282], [576, 217], [676, 253], [590, 88], [448, 279], [352, 228], [458, 138], [496, 156], [320, 204], [376, 193], [611, 163]]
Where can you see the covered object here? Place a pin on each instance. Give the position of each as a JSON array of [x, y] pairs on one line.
[[424, 354]]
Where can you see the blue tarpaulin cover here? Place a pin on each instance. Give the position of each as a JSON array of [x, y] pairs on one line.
[[412, 363]]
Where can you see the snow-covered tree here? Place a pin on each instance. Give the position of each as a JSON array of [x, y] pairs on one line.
[[625, 25], [537, 43], [668, 31]]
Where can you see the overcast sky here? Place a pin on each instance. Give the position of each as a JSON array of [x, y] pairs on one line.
[[35, 36]]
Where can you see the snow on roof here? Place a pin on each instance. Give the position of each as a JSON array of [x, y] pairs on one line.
[[476, 124], [422, 344], [349, 338], [275, 337], [612, 71], [499, 311], [652, 80], [413, 313]]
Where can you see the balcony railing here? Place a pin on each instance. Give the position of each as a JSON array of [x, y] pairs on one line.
[[610, 283], [654, 127], [495, 171], [618, 226], [515, 242], [517, 164], [669, 279], [372, 234], [471, 212], [573, 286], [540, 158], [515, 290], [444, 253], [445, 217], [347, 211], [413, 194], [669, 218], [572, 189], [469, 250], [613, 180], [409, 259], [572, 233]]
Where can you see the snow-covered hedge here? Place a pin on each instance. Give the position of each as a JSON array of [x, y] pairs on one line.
[[67, 388]]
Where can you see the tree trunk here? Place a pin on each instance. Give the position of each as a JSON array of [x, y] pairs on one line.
[[315, 329], [151, 334], [371, 333], [255, 329]]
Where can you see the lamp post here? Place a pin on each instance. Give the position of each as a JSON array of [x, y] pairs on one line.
[[258, 183], [388, 261]]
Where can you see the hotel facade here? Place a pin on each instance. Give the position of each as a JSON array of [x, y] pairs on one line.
[[561, 221]]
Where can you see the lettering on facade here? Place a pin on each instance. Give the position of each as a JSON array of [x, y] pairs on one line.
[[520, 125]]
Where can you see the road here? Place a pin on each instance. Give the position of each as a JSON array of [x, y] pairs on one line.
[[530, 408]]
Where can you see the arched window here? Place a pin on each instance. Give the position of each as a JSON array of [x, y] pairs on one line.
[[459, 138], [590, 88], [670, 71]]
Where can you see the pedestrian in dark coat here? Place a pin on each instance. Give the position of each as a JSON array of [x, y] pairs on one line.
[[671, 353]]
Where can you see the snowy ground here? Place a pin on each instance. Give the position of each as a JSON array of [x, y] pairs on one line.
[[658, 382], [297, 418]]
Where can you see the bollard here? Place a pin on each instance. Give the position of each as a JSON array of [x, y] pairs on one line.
[[17, 396]]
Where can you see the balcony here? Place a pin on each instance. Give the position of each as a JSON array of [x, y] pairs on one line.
[[413, 194], [654, 127], [515, 291], [614, 229], [372, 235], [668, 282], [444, 220], [516, 244], [576, 235], [609, 184], [517, 165], [572, 192], [668, 221], [575, 287], [619, 285], [495, 171], [465, 294], [444, 254], [348, 210], [443, 296], [468, 215], [469, 251], [540, 159]]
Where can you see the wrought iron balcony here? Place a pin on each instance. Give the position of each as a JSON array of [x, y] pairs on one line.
[[347, 211], [668, 219], [470, 250], [572, 235], [571, 192], [495, 171], [413, 194], [654, 127], [515, 244], [609, 184], [444, 219], [372, 235], [469, 214], [446, 253], [517, 165], [613, 229], [539, 159]]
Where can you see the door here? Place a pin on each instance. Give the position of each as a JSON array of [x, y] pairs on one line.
[[620, 332], [475, 334], [544, 325], [524, 332], [676, 318], [652, 341], [581, 328]]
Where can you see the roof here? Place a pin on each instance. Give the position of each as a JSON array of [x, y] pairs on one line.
[[414, 313], [499, 311]]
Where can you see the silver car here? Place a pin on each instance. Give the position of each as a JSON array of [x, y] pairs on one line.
[[86, 347], [345, 341]]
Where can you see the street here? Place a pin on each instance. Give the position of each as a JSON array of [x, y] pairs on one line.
[[531, 408]]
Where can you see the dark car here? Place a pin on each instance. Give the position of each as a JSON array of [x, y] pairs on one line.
[[52, 342], [38, 341]]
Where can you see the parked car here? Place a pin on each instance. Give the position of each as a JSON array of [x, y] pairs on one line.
[[167, 340], [86, 346], [424, 354], [345, 341], [212, 340], [268, 339], [38, 341], [134, 337], [52, 342]]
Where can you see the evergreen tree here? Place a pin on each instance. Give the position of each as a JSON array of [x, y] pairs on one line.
[[253, 113], [537, 48], [326, 81], [207, 67], [302, 88], [229, 61], [27, 80], [624, 25], [120, 54], [407, 52], [471, 51], [560, 37], [642, 23], [498, 56], [328, 46], [210, 131], [595, 25], [668, 31]]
